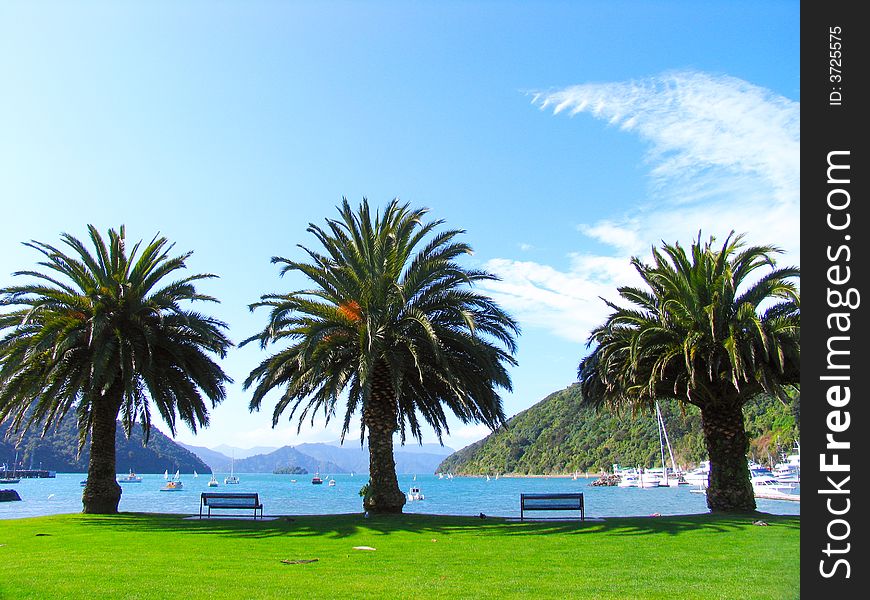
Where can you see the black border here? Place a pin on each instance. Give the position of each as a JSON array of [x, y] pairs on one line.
[[826, 127]]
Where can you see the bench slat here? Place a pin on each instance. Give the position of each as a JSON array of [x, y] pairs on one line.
[[564, 501], [230, 500]]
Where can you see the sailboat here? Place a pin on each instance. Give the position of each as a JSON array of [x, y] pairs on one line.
[[6, 478], [174, 484], [231, 479], [166, 474], [195, 474], [212, 482], [676, 479]]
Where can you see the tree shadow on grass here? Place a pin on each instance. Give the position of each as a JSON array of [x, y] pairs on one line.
[[342, 526]]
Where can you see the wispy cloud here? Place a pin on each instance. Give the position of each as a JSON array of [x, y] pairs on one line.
[[723, 155]]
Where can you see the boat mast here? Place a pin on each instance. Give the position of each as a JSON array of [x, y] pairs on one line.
[[667, 441], [661, 444]]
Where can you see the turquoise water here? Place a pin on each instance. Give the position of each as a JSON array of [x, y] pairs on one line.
[[281, 496]]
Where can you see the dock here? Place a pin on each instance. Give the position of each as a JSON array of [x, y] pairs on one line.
[[764, 495], [778, 496], [28, 474]]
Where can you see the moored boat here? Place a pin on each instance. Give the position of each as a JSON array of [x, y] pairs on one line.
[[415, 494], [131, 477], [699, 475], [172, 485]]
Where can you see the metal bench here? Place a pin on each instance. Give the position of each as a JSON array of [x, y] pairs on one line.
[[230, 500], [567, 501]]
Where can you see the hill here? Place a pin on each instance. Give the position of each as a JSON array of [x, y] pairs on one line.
[[217, 461], [561, 435], [286, 457], [412, 458], [57, 451]]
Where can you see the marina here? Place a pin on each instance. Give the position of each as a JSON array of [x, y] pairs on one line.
[[444, 495]]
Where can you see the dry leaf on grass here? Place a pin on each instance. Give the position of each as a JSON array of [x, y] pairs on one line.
[[299, 561]]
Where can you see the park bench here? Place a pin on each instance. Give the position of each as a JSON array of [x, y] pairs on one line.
[[566, 501], [230, 500]]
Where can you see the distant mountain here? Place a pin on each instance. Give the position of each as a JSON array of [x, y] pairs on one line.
[[285, 458], [57, 451], [215, 460], [410, 447], [232, 451], [353, 458]]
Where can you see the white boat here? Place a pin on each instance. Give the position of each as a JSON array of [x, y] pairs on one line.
[[332, 482], [212, 482], [130, 478], [673, 478], [7, 478], [414, 494], [764, 481], [700, 475], [231, 479], [166, 474], [648, 480], [789, 471], [173, 485], [195, 474], [628, 478]]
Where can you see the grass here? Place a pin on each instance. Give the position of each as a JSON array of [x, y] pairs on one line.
[[134, 555]]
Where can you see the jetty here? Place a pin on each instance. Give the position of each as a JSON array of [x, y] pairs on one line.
[[28, 474], [763, 494], [774, 495]]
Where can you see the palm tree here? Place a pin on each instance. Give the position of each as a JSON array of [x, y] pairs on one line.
[[392, 321], [702, 333], [101, 334]]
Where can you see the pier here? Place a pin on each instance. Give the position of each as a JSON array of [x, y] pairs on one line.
[[27, 474]]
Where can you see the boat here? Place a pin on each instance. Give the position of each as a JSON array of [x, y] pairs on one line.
[[130, 478], [166, 474], [764, 481], [698, 476], [212, 482], [173, 485], [648, 479], [316, 480], [627, 477], [10, 478], [414, 494], [675, 478], [332, 482], [195, 474], [628, 480], [789, 471], [231, 479]]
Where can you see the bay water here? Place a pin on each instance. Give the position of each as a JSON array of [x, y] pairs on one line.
[[296, 495]]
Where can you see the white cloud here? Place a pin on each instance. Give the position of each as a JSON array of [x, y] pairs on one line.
[[723, 155]]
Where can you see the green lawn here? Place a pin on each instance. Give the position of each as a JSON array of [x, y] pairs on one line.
[[415, 556]]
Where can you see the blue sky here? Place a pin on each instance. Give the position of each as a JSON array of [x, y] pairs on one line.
[[564, 137]]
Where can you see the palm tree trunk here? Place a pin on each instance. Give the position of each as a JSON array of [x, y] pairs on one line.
[[384, 495], [730, 488], [102, 491]]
